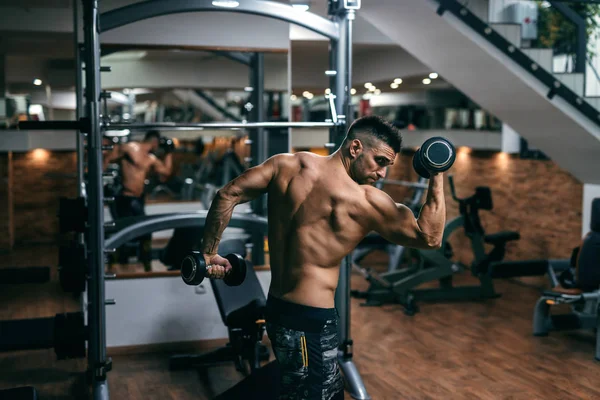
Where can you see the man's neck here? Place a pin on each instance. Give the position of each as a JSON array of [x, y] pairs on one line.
[[340, 159]]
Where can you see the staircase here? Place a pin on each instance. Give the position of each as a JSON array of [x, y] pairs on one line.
[[487, 63]]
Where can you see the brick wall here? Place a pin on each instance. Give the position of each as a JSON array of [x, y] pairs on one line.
[[535, 198], [40, 178], [6, 199]]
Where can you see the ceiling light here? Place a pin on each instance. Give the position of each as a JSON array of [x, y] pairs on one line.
[[394, 85], [225, 3], [248, 89], [352, 91], [372, 89], [368, 85], [433, 75], [293, 97], [37, 82], [398, 81], [301, 7], [426, 81], [330, 72], [377, 92]]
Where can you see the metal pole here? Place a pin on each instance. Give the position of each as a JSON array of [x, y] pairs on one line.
[[341, 67], [97, 361], [261, 151], [78, 99], [580, 23], [259, 146], [258, 72], [354, 381], [348, 108]]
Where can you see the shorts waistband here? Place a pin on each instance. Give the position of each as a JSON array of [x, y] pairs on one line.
[[298, 316]]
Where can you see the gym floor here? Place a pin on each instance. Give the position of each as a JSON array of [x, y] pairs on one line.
[[465, 350]]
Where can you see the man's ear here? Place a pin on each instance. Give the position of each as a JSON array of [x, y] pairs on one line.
[[356, 147]]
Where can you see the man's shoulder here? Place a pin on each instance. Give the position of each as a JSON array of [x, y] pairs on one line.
[[374, 196], [294, 160], [131, 146]]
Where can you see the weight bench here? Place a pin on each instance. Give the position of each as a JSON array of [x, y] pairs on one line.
[[242, 310], [582, 293]]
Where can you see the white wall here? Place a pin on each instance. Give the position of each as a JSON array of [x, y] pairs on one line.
[[496, 9], [164, 310], [385, 64], [60, 99], [21, 141], [590, 192], [217, 72], [479, 140], [227, 29], [220, 29], [511, 141]]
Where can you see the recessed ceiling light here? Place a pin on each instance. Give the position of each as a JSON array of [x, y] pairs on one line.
[[225, 3]]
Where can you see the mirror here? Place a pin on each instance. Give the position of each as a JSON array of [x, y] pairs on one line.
[[186, 86]]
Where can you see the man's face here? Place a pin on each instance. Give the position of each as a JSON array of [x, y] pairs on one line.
[[371, 161]]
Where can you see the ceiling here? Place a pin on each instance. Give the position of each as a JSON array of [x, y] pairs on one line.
[[36, 52]]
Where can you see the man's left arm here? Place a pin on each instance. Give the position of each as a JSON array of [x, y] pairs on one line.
[[246, 187]]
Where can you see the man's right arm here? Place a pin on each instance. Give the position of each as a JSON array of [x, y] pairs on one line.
[[397, 223]]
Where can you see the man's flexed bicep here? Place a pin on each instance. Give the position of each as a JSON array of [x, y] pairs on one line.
[[396, 222]]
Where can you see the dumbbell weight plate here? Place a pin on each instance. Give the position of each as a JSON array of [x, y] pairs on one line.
[[436, 154], [419, 167], [193, 268], [238, 270], [69, 336], [439, 153]]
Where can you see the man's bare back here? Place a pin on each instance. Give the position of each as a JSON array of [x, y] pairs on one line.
[[319, 209], [317, 215], [136, 161], [135, 166]]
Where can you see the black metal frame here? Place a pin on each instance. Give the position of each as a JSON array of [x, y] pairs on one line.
[[581, 50], [338, 29], [555, 87]]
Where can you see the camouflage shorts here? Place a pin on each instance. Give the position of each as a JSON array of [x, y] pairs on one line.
[[307, 359]]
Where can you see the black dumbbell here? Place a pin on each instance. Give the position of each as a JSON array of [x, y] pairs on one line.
[[166, 144], [435, 155], [193, 269]]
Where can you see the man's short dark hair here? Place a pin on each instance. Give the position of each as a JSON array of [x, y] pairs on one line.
[[151, 135], [377, 127]]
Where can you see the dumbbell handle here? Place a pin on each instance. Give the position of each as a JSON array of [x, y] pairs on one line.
[[192, 272], [193, 269]]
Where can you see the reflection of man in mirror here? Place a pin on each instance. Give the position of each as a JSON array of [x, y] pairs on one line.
[[137, 160]]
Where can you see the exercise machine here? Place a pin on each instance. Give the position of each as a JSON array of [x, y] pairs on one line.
[[576, 285], [400, 286]]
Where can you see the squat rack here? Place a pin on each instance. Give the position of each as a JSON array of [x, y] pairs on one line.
[[338, 29]]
